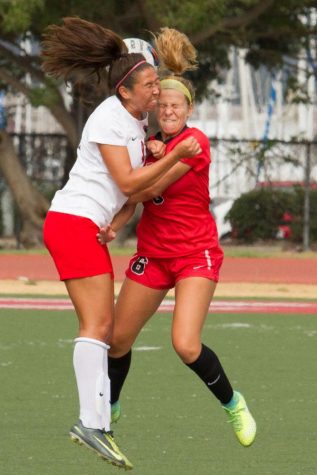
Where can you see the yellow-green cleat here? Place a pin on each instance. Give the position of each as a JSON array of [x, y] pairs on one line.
[[242, 421], [100, 442], [115, 411]]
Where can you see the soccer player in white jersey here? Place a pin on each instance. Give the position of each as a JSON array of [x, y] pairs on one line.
[[107, 171]]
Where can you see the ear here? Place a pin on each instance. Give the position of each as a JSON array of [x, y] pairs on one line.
[[124, 92], [190, 110]]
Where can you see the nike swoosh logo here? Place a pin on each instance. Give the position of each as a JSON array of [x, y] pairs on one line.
[[198, 267], [100, 394], [133, 138], [108, 448], [214, 382]]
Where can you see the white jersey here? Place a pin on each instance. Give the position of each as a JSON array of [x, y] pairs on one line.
[[90, 191]]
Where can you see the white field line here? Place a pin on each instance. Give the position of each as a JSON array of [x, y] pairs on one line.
[[168, 305]]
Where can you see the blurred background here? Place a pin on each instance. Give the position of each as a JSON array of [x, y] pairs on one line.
[[256, 101]]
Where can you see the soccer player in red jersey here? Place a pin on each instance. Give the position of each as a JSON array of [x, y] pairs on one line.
[[177, 247]]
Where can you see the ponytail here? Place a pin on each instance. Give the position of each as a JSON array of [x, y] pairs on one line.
[[79, 48]]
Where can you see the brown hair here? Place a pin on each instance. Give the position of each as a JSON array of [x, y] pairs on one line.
[[177, 55], [79, 46]]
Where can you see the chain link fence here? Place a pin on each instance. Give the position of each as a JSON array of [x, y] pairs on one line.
[[238, 166]]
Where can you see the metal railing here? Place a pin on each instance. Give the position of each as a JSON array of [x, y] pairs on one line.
[[237, 165]]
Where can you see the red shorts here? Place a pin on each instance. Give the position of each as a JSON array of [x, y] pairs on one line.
[[163, 273], [72, 243]]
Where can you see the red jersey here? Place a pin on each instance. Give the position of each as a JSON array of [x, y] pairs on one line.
[[179, 222]]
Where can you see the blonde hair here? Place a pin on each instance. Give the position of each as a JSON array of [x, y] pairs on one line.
[[176, 56], [175, 51]]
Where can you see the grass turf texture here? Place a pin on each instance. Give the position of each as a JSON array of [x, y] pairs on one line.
[[171, 424]]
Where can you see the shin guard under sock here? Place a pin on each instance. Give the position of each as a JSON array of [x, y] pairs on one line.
[[118, 369], [90, 364], [209, 369]]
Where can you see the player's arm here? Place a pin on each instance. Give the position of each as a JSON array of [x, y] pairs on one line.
[[123, 216], [109, 232], [131, 180], [178, 170]]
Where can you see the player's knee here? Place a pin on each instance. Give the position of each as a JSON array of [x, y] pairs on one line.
[[119, 345], [99, 330], [187, 350]]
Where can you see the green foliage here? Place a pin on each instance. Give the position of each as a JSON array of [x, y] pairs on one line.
[[47, 189], [296, 92], [16, 15], [269, 30], [256, 215], [188, 15], [46, 96]]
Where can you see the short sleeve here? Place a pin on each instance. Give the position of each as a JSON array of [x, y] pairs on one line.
[[106, 129], [200, 161]]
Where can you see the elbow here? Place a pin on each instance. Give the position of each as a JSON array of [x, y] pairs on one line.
[[128, 192], [127, 189], [127, 186]]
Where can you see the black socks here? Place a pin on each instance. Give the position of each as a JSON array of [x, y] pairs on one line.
[[118, 369], [209, 369]]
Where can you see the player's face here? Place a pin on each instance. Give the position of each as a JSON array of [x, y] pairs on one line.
[[172, 113], [144, 94]]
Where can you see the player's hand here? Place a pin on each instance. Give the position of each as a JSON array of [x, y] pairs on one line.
[[156, 148], [188, 148], [106, 234]]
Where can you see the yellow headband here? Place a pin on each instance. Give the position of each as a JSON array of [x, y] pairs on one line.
[[178, 86]]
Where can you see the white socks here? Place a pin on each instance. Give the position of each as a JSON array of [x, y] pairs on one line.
[[91, 370]]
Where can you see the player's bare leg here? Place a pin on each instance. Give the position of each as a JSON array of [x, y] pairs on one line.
[[135, 305], [93, 299], [193, 297]]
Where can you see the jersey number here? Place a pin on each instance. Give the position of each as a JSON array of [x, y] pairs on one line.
[[138, 266]]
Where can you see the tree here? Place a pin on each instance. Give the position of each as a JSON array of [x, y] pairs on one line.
[[32, 205], [272, 32]]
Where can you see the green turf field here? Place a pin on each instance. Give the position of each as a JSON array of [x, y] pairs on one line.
[[171, 423]]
